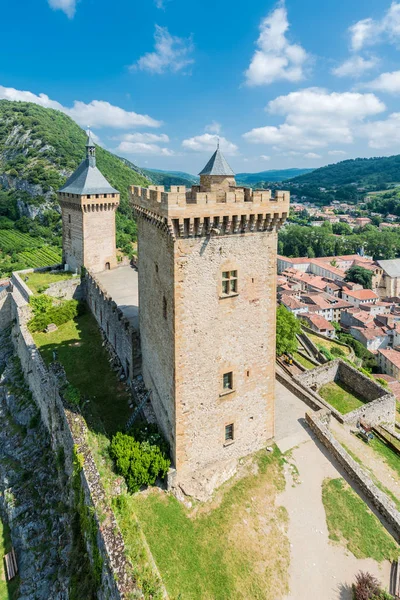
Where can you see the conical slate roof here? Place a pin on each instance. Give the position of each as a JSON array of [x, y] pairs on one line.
[[87, 178], [217, 165]]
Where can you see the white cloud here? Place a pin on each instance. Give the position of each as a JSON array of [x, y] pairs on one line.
[[276, 58], [355, 66], [369, 32], [208, 143], [265, 157], [314, 118], [336, 152], [143, 148], [171, 53], [213, 127], [312, 155], [386, 82], [67, 6], [383, 134], [143, 137], [96, 114]]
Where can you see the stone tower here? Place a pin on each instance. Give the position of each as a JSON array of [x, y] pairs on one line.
[[88, 205], [207, 303]]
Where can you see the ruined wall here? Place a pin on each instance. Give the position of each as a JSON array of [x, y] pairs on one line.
[[68, 430], [69, 289], [123, 338], [380, 405], [157, 322]]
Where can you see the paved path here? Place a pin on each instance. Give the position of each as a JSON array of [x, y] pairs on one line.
[[122, 285], [318, 569]]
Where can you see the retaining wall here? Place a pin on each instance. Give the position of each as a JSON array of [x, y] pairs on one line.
[[119, 332], [68, 430], [379, 499]]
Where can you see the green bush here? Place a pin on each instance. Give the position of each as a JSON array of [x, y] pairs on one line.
[[40, 303], [336, 351], [383, 382], [325, 352], [149, 432], [140, 463], [58, 315]]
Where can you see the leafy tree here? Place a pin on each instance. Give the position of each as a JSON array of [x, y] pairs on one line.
[[341, 229], [140, 463], [360, 275], [287, 326]]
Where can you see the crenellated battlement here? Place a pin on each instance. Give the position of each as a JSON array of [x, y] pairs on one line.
[[188, 212]]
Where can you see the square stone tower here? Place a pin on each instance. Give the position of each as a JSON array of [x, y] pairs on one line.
[[207, 305], [88, 205]]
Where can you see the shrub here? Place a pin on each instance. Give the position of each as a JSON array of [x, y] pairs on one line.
[[72, 395], [383, 382], [149, 432], [367, 588], [336, 351], [325, 352], [58, 315], [140, 463], [40, 303]]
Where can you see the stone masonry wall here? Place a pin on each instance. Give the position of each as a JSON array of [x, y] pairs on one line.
[[5, 309], [216, 335], [68, 430], [123, 338], [69, 289], [378, 498], [380, 406]]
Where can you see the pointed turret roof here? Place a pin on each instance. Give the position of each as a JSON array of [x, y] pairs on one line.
[[87, 179], [217, 165]]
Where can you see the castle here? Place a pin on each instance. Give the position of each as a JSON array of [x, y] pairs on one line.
[[207, 301]]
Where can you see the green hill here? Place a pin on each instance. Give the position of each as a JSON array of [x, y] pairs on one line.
[[279, 175], [39, 148], [373, 172], [169, 178]]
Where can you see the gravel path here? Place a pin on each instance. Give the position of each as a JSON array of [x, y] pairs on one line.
[[318, 568]]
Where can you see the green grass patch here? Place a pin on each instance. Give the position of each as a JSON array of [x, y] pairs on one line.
[[303, 361], [8, 591], [326, 343], [234, 547], [78, 347], [351, 523], [391, 458], [39, 282], [340, 397]]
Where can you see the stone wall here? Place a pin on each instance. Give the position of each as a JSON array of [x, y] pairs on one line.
[[5, 309], [379, 499], [380, 405], [122, 336], [69, 289], [68, 430]]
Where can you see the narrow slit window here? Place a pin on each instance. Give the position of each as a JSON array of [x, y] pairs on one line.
[[229, 432]]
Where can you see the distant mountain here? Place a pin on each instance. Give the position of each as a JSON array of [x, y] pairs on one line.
[[381, 171], [278, 175], [168, 178]]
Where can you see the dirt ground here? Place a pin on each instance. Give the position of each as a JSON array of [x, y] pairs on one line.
[[318, 568]]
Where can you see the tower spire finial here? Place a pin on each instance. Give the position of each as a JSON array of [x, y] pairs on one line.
[[90, 148]]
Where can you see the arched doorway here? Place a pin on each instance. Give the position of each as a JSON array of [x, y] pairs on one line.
[[107, 266]]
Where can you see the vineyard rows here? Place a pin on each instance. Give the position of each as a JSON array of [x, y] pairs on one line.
[[11, 240], [41, 257]]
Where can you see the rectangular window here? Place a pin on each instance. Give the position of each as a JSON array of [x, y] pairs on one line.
[[229, 433], [69, 218], [227, 381], [229, 283]]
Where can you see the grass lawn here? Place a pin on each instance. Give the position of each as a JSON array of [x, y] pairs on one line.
[[78, 345], [351, 523], [39, 282], [8, 591], [340, 397], [233, 547], [389, 456], [303, 361], [328, 344]]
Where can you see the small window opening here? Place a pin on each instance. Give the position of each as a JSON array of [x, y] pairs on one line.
[[69, 218], [229, 283], [229, 431], [227, 381], [156, 268], [165, 307], [248, 373]]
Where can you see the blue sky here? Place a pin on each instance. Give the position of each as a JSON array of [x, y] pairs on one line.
[[287, 84]]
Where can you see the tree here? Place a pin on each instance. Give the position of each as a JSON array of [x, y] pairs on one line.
[[360, 275], [287, 326]]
